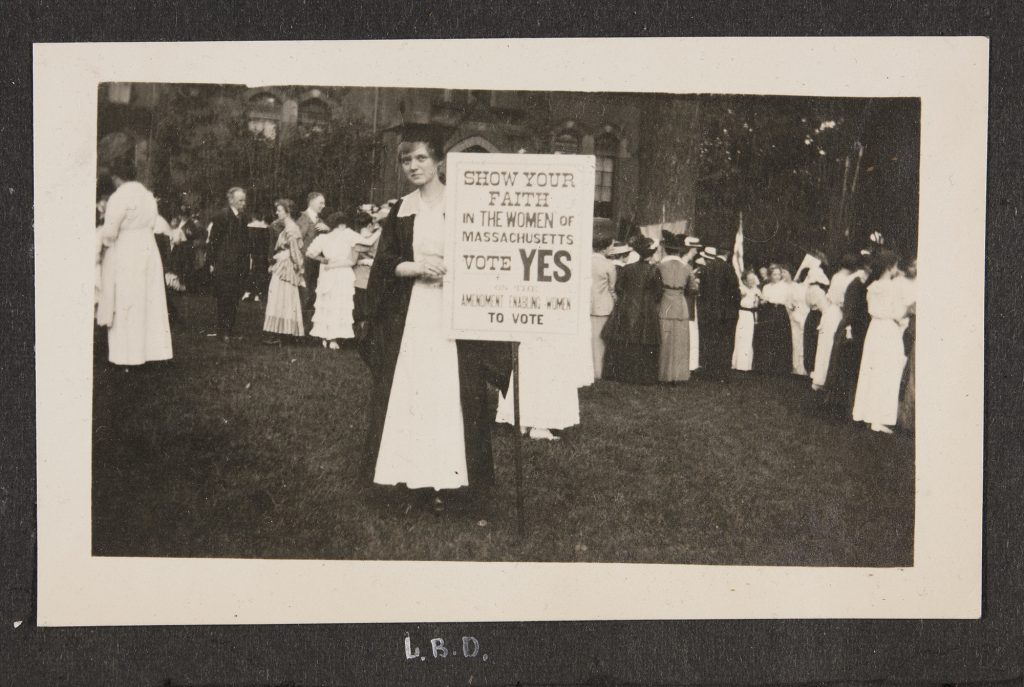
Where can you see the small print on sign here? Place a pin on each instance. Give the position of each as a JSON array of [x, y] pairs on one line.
[[518, 245]]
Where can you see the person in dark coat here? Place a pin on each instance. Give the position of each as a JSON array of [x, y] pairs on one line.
[[718, 305], [848, 346], [398, 271], [633, 332], [310, 224], [230, 251]]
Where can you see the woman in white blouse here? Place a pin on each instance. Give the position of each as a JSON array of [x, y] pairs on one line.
[[881, 367]]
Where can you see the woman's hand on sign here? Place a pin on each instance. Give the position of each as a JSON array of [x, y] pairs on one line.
[[432, 268]]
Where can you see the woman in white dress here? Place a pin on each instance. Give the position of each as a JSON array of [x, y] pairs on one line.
[[132, 298], [335, 287], [548, 398], [743, 346], [831, 316], [798, 311], [881, 366], [429, 425]]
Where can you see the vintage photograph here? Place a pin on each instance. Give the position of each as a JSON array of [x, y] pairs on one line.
[[271, 379]]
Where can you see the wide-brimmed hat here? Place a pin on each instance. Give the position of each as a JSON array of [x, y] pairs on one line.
[[710, 252], [679, 242], [616, 249]]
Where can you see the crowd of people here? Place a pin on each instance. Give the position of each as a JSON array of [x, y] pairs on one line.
[[851, 333], [660, 311]]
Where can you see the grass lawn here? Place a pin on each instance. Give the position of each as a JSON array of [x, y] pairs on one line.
[[251, 451]]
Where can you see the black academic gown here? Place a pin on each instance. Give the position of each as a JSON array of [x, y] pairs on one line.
[[844, 365], [480, 362], [717, 307]]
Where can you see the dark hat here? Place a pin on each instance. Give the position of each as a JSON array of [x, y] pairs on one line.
[[644, 247], [604, 229], [679, 242]]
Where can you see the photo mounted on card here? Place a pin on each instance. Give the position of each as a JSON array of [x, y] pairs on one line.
[[374, 332]]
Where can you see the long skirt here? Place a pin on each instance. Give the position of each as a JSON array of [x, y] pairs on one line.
[[423, 442], [674, 353], [694, 344], [797, 317], [743, 345], [773, 343], [881, 371], [843, 373], [811, 339], [830, 320], [905, 417], [284, 309], [631, 363], [134, 300], [548, 394], [335, 291], [597, 347]]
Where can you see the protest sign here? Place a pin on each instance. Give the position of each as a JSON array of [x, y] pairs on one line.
[[518, 245]]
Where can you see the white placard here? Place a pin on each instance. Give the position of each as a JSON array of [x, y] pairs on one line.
[[518, 245]]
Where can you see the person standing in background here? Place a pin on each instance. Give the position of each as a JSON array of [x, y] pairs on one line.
[[602, 289], [310, 224], [230, 252], [678, 282], [131, 299], [718, 305]]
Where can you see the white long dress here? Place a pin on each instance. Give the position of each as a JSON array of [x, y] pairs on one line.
[[335, 285], [831, 316], [881, 366], [548, 377], [743, 344], [423, 443], [133, 301]]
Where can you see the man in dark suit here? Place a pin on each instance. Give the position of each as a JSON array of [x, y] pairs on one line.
[[230, 252], [717, 307], [310, 224]]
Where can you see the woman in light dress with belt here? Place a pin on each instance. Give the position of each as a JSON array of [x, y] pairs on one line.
[[132, 301]]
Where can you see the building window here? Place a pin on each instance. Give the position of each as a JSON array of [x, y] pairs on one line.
[[120, 93], [605, 151], [263, 127], [565, 143], [314, 114], [264, 115]]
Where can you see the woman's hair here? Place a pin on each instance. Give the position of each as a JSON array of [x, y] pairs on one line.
[[122, 169], [287, 203], [747, 273], [882, 261], [434, 147], [361, 218], [802, 274], [601, 244], [336, 219], [851, 262]]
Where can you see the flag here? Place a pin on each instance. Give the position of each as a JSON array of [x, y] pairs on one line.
[[737, 251]]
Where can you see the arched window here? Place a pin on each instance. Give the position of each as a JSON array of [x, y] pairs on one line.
[[606, 149], [314, 114], [264, 115], [566, 143]]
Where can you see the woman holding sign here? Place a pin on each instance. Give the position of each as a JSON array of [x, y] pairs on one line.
[[428, 412]]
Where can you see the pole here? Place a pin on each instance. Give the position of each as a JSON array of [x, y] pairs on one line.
[[518, 439]]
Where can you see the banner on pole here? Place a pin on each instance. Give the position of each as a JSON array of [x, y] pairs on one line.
[[518, 245]]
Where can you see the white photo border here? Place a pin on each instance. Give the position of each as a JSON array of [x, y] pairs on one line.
[[949, 75]]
